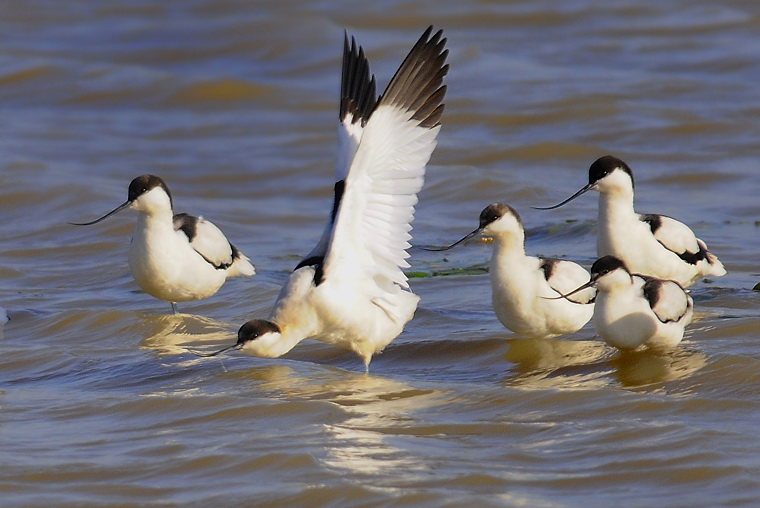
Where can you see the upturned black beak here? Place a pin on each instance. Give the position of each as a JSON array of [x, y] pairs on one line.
[[439, 249], [115, 210], [582, 191], [574, 291], [207, 355]]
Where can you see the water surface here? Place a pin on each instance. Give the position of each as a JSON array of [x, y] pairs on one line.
[[234, 105]]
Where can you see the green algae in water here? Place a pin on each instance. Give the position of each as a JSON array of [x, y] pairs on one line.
[[466, 270]]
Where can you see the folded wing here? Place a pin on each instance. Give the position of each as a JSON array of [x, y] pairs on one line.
[[675, 236], [565, 276], [206, 239], [667, 299]]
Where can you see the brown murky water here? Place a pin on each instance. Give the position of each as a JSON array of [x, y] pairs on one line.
[[234, 104]]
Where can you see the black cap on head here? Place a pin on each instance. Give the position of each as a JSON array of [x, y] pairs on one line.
[[496, 211], [603, 166], [254, 329], [143, 184], [606, 265]]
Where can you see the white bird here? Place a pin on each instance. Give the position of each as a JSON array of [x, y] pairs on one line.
[[634, 310], [521, 285], [176, 258], [654, 245], [350, 290]]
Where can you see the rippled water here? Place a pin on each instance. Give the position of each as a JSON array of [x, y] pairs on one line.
[[234, 104]]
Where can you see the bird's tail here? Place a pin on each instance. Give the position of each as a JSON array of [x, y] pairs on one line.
[[241, 265], [716, 267]]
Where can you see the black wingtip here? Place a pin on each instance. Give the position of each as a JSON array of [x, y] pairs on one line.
[[358, 90], [417, 85]]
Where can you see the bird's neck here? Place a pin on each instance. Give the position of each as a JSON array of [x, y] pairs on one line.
[[155, 220], [509, 247], [617, 220], [616, 204]]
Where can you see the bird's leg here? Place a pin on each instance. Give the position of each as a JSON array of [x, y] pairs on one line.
[[174, 308]]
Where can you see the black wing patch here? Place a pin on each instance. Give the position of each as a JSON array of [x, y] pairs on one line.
[[655, 223], [417, 85], [188, 224], [316, 262], [236, 254], [358, 95], [548, 266], [340, 187], [653, 289]]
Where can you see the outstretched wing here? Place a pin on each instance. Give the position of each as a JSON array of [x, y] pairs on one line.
[[676, 236], [667, 299], [206, 239], [371, 231], [358, 98]]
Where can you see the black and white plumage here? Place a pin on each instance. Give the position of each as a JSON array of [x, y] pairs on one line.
[[650, 244], [176, 258], [633, 310], [350, 290], [523, 286]]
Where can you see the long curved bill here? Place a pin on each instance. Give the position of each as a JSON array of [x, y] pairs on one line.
[[115, 210], [207, 355], [571, 293], [469, 235], [582, 191]]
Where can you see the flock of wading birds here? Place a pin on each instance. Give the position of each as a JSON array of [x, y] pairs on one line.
[[350, 290]]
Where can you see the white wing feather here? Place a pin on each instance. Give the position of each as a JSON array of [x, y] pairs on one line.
[[567, 276], [358, 100], [672, 302], [676, 236], [210, 242], [371, 231]]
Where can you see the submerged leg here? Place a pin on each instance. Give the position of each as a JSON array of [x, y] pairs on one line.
[[174, 307]]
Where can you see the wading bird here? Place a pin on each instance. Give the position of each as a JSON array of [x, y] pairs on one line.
[[634, 310], [521, 285], [350, 290], [650, 244], [176, 258]]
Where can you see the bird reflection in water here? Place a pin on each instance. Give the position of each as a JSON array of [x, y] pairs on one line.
[[558, 363], [171, 334], [645, 368], [364, 417]]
